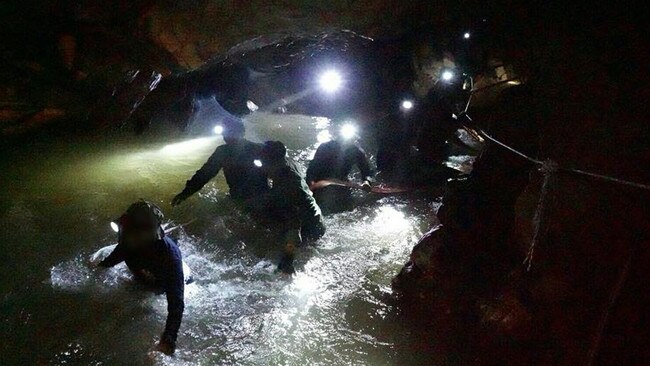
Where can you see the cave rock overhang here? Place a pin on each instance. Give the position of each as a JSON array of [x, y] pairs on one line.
[[268, 67]]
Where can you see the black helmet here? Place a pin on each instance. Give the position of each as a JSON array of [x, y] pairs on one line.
[[143, 215]]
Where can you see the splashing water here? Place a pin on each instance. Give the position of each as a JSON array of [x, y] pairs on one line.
[[59, 309]]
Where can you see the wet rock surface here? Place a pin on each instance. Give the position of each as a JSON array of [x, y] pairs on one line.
[[573, 305], [89, 66], [70, 55]]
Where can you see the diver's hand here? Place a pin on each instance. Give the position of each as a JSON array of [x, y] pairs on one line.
[[166, 347], [179, 198], [366, 186]]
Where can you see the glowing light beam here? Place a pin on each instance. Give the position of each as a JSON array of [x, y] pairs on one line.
[[348, 131], [447, 75], [188, 146], [330, 81]]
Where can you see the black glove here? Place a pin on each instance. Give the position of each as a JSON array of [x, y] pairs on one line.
[[180, 198]]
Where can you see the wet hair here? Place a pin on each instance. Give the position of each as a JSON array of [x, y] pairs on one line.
[[274, 151]]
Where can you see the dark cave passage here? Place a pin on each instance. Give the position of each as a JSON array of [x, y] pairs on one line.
[[451, 249]]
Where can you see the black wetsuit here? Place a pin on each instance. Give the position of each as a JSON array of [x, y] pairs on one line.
[[162, 263], [291, 200], [237, 160], [335, 160]]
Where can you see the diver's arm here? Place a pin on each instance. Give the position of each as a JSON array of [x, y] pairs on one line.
[[174, 289], [202, 176], [116, 256]]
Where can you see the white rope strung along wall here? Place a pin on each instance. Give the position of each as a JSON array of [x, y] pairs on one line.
[[549, 168]]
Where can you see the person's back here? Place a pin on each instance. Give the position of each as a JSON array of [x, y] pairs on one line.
[[152, 265], [154, 259], [291, 200], [291, 190], [335, 160], [290, 194]]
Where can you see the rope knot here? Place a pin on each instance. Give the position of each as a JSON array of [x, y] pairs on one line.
[[549, 166]]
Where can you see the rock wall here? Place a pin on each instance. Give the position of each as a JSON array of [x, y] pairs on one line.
[[581, 302], [67, 55], [195, 34]]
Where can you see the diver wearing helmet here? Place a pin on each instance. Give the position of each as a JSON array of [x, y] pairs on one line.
[[155, 260], [238, 158], [334, 160], [289, 201]]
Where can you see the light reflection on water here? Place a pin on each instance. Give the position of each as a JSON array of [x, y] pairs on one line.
[[333, 311]]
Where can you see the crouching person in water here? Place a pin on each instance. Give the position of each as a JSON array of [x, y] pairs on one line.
[[291, 201], [334, 160], [155, 260]]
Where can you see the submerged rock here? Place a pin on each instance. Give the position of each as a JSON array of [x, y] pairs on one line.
[[417, 277]]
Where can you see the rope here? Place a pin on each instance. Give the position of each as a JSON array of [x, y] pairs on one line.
[[509, 148], [493, 85], [609, 179], [549, 168], [568, 170]]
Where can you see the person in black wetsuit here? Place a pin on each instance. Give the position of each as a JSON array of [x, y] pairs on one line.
[[334, 160], [290, 201], [238, 159], [155, 260]]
